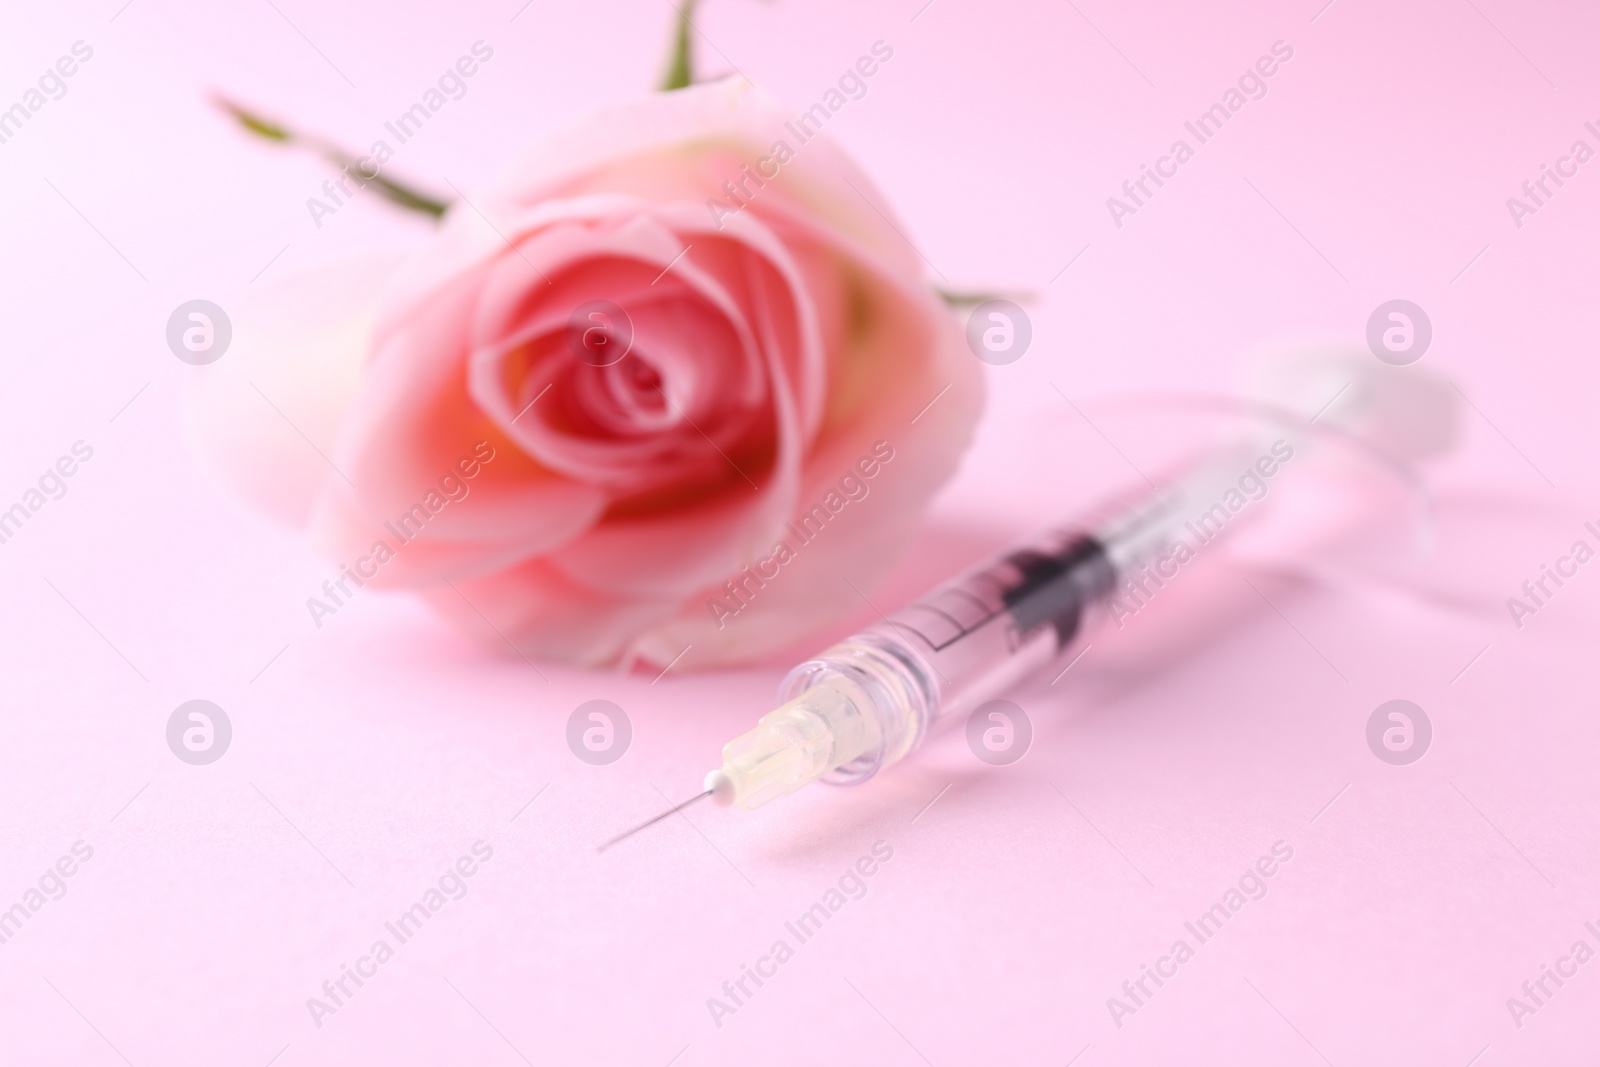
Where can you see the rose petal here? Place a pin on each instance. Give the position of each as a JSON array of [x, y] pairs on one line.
[[266, 415]]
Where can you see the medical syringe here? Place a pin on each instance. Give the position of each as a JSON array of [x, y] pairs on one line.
[[870, 700]]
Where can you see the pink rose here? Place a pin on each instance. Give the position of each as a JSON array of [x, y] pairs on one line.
[[588, 491]]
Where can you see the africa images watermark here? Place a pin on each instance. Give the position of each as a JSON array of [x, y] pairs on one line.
[[51, 885], [852, 885], [1252, 885], [1536, 992], [451, 885], [406, 528], [1531, 200], [52, 85], [852, 85], [451, 85], [742, 590], [1252, 85], [52, 485], [1566, 567], [1139, 587]]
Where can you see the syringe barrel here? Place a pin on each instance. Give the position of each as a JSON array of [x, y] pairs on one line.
[[963, 643], [978, 635], [868, 701]]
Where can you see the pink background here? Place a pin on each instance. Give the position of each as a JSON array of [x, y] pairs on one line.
[[368, 755]]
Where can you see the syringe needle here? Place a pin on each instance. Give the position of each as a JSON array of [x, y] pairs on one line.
[[652, 822]]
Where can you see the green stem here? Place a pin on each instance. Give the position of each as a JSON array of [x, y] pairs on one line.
[[395, 192], [680, 64], [960, 299]]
